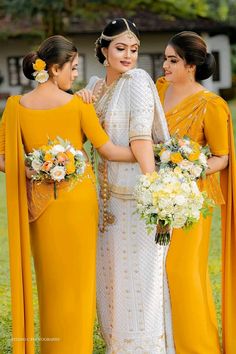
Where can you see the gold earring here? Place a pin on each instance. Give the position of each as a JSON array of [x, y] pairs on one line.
[[105, 63], [55, 81]]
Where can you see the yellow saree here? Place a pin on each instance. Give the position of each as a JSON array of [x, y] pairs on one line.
[[204, 117], [18, 233]]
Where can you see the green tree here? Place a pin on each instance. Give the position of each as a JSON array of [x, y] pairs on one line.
[[55, 14]]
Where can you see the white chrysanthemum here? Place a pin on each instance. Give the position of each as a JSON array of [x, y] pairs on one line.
[[36, 165], [56, 149], [58, 173]]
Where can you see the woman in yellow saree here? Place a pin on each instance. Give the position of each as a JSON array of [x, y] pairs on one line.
[[62, 233], [205, 117]]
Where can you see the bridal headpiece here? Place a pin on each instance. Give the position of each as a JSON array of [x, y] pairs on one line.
[[127, 31]]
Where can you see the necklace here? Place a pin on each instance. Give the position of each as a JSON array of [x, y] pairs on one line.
[[102, 100]]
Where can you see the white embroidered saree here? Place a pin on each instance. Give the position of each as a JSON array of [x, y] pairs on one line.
[[132, 292]]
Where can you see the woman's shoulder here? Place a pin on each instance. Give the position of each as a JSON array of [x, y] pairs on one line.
[[137, 73], [81, 105], [161, 82], [214, 100]]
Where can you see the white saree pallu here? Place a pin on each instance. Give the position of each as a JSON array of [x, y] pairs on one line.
[[133, 301]]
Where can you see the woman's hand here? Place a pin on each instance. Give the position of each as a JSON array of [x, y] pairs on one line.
[[86, 95], [217, 163], [2, 163], [29, 172]]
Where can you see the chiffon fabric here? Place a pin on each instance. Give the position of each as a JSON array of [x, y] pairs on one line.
[[62, 236], [205, 117]]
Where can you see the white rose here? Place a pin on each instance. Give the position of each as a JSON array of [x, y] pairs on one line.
[[196, 214], [78, 152], [180, 200], [186, 149], [58, 173], [203, 159], [194, 187], [165, 156], [185, 187], [41, 76], [36, 165], [56, 149], [196, 171], [185, 165], [179, 222], [36, 153], [73, 151]]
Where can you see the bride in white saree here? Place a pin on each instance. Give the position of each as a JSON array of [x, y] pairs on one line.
[[132, 293]]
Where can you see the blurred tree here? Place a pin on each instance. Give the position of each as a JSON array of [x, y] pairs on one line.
[[54, 14]]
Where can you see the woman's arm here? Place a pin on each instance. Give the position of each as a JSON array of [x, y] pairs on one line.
[[217, 163], [117, 153], [2, 163], [143, 152]]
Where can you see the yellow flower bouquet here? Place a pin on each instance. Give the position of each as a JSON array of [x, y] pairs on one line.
[[184, 153], [55, 162]]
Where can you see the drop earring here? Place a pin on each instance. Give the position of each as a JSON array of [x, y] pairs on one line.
[[105, 63], [55, 81]]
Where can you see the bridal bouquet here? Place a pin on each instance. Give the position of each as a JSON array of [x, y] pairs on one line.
[[55, 162], [169, 199], [184, 153]]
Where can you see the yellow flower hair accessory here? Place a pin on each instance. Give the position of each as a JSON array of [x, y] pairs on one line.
[[40, 74]]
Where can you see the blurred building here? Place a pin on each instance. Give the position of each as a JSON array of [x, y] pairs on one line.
[[18, 37]]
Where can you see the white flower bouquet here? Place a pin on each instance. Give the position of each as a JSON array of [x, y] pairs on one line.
[[184, 153], [169, 199], [55, 162]]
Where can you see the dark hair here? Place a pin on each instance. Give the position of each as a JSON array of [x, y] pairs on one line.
[[114, 27], [192, 48], [53, 50]]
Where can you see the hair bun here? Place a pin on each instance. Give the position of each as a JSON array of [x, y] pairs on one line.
[[205, 70], [28, 61]]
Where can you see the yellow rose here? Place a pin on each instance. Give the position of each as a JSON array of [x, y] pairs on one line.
[[195, 145], [176, 157], [70, 155], [70, 168], [39, 65], [194, 156], [45, 148], [162, 150], [48, 157]]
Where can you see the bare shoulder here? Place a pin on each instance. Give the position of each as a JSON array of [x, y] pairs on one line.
[[45, 100]]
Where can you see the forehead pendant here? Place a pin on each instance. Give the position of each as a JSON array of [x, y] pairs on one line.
[[129, 33]]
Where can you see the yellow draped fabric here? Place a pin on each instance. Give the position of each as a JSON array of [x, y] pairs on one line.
[[62, 237], [204, 117]]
